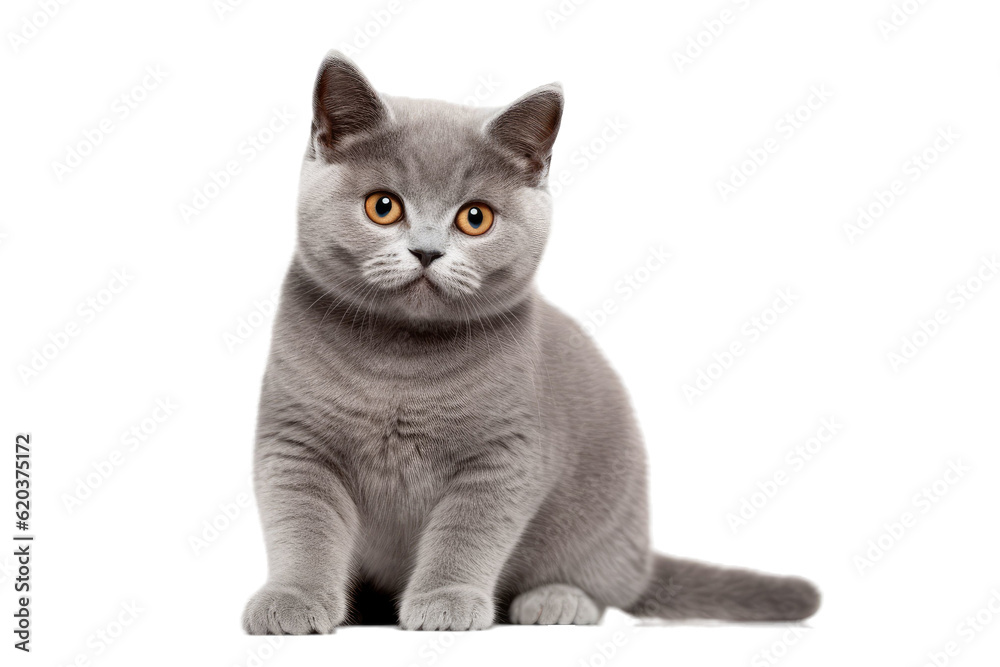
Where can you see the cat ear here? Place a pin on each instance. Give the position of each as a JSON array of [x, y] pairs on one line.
[[528, 128], [344, 103]]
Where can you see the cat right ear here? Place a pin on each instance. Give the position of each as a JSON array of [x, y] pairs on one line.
[[528, 128], [344, 104]]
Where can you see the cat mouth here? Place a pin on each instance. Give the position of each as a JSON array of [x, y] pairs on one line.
[[423, 283]]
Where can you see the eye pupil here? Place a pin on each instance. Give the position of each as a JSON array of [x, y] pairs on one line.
[[475, 217], [383, 206]]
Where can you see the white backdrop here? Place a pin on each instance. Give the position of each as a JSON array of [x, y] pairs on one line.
[[822, 177]]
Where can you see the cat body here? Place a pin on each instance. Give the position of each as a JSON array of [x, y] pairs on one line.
[[437, 445]]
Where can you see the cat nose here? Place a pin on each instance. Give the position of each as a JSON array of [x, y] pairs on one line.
[[426, 256]]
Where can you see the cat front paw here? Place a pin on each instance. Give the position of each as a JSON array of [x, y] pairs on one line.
[[281, 609], [448, 608]]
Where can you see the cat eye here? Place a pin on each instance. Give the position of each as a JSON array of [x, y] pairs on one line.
[[383, 208], [475, 219]]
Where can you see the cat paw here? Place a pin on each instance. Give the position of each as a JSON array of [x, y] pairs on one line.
[[450, 608], [279, 609], [554, 604]]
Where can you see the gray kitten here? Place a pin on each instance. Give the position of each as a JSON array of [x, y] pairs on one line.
[[437, 445]]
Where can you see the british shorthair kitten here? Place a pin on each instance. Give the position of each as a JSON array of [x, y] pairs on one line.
[[437, 445]]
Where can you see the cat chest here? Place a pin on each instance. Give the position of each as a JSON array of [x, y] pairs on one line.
[[402, 461], [403, 434], [406, 447], [421, 421]]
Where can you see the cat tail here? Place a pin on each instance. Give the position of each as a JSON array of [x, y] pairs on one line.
[[686, 589]]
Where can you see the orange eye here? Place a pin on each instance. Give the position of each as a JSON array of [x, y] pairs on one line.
[[383, 208], [475, 219]]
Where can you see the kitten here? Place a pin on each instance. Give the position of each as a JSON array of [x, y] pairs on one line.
[[437, 445]]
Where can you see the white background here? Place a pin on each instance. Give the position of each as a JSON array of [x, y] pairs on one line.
[[682, 128]]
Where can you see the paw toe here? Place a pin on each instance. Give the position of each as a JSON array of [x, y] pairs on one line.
[[286, 610], [555, 604], [453, 608]]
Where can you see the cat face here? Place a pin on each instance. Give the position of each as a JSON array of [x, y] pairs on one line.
[[423, 210]]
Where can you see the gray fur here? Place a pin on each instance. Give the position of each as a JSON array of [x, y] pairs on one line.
[[451, 451]]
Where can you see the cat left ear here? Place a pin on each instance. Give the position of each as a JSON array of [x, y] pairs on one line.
[[344, 103], [528, 128]]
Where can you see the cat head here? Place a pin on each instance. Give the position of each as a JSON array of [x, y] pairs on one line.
[[423, 210]]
